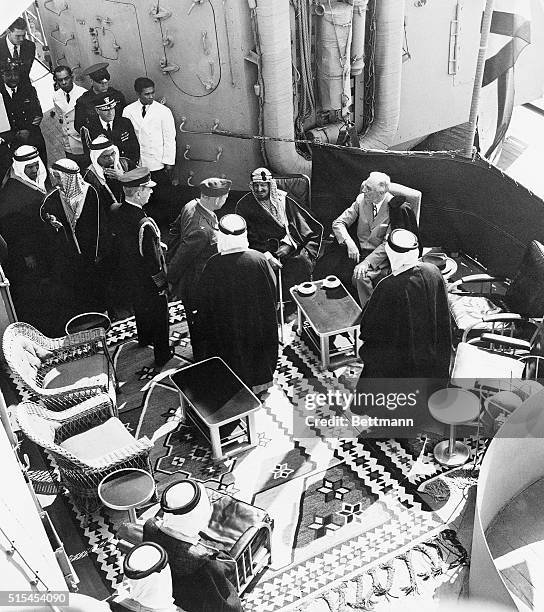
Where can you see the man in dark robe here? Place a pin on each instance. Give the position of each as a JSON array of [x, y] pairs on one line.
[[277, 226], [81, 234], [27, 265], [143, 260], [202, 577], [405, 327], [100, 85], [193, 240], [237, 312]]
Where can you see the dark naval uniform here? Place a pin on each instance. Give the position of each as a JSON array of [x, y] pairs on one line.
[[122, 135], [143, 262], [85, 106]]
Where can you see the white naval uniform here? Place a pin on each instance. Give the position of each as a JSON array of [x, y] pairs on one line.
[[156, 133]]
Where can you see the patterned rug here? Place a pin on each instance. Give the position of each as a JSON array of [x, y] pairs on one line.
[[340, 506]]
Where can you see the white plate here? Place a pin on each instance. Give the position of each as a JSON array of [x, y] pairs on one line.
[[306, 288]]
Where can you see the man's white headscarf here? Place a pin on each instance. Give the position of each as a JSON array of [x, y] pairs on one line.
[[402, 249], [187, 508], [24, 156], [277, 196], [72, 188], [98, 146], [154, 591], [232, 234]]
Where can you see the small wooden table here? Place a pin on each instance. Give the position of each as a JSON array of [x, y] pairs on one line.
[[126, 489], [328, 312], [219, 404]]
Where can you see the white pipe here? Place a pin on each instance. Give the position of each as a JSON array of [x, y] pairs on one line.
[[334, 56], [358, 37], [388, 70], [274, 26], [274, 29]]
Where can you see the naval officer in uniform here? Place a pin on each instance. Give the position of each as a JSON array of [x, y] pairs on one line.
[[100, 86], [143, 261]]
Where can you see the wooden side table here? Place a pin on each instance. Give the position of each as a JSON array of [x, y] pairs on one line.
[[328, 312], [126, 489], [219, 404]]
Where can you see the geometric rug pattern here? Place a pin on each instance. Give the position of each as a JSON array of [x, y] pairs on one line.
[[339, 505]]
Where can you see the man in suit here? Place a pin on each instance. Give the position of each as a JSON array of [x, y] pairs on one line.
[[23, 110], [143, 259], [16, 49], [108, 122], [64, 103], [366, 258], [193, 240], [100, 85], [156, 132]]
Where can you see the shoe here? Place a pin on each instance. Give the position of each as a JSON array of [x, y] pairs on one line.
[[159, 363]]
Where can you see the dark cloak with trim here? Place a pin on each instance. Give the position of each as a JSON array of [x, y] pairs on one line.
[[237, 314], [406, 326]]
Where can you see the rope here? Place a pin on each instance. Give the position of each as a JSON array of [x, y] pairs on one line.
[[369, 77]]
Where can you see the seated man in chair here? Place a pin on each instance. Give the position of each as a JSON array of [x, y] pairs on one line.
[[278, 227], [375, 212], [202, 576]]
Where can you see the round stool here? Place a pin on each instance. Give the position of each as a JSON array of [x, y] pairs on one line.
[[86, 321], [453, 407]]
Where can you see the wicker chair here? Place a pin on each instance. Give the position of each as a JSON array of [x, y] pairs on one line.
[[59, 371], [87, 442]]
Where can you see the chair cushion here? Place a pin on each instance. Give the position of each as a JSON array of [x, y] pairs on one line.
[[86, 372], [27, 357], [40, 429], [231, 518], [99, 441], [474, 365], [467, 309]]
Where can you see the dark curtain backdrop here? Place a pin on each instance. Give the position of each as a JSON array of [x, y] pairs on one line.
[[468, 206]]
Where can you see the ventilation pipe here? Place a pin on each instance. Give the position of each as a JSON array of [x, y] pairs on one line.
[[388, 71], [358, 37], [333, 57], [274, 30]]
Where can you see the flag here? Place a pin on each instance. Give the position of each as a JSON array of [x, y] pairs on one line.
[[509, 35]]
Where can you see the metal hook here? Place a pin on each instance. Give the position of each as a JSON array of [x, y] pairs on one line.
[[188, 157], [190, 179], [62, 42]]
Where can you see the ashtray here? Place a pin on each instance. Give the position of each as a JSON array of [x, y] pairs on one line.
[[331, 282], [306, 288]]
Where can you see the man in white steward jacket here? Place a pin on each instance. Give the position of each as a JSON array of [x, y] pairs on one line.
[[156, 132]]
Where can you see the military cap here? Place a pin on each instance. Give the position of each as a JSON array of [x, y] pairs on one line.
[[105, 102], [215, 187], [97, 72], [137, 177]]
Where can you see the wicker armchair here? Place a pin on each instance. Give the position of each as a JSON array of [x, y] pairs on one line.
[[87, 443], [59, 371]]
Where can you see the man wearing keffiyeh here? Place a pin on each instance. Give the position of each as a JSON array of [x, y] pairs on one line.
[[82, 237], [281, 229], [28, 256]]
